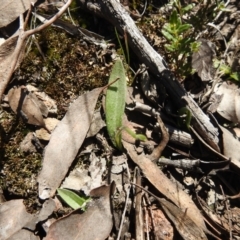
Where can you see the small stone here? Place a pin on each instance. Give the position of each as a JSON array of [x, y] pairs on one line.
[[42, 133]]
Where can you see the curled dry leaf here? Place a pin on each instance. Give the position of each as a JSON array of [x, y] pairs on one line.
[[65, 142], [48, 102], [27, 105], [95, 223]]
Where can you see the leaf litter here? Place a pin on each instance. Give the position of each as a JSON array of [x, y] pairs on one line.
[[65, 142], [70, 134]]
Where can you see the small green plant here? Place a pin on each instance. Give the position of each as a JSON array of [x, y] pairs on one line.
[[180, 42], [72, 199], [115, 102], [182, 29], [227, 71], [115, 106]]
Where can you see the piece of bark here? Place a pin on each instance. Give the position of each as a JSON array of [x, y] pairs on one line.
[[114, 12]]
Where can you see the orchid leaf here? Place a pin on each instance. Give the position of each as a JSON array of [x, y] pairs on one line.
[[115, 103]]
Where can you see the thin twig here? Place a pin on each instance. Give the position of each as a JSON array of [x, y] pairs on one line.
[[228, 213], [126, 202]]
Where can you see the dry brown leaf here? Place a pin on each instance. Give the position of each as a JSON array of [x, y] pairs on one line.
[[156, 177], [229, 106], [11, 9], [185, 226], [202, 60], [65, 142], [26, 104], [13, 217], [24, 234], [48, 102], [96, 223], [231, 147]]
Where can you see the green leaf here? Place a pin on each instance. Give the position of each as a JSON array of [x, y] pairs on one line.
[[170, 48], [194, 46], [174, 19], [187, 8], [225, 69], [167, 35], [115, 102], [235, 76], [185, 117], [72, 199], [183, 28]]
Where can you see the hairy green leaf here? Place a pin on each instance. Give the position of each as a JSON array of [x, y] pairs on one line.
[[72, 199], [174, 19], [115, 102], [183, 28], [235, 76], [167, 35]]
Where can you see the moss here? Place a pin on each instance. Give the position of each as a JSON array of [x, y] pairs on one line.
[[70, 68]]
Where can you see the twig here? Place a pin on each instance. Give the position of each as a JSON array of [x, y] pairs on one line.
[[146, 218], [151, 214], [157, 152], [126, 202], [229, 213]]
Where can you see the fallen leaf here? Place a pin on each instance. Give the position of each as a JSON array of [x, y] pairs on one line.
[[186, 227], [11, 9], [65, 142], [97, 124], [13, 217], [96, 223], [27, 232], [230, 147], [26, 104], [156, 177], [202, 60], [228, 107], [46, 100], [24, 234]]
